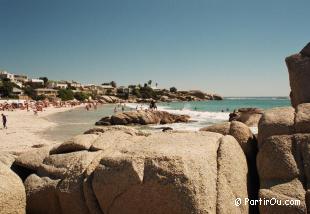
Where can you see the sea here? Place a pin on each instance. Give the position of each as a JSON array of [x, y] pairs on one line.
[[202, 113]]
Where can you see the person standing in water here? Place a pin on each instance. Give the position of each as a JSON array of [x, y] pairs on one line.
[[4, 121]]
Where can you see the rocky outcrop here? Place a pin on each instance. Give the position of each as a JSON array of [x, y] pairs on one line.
[[283, 158], [284, 145], [240, 132], [109, 99], [299, 74], [248, 143], [12, 192], [248, 116], [126, 171], [143, 118]]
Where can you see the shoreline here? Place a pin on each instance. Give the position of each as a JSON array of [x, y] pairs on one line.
[[25, 128]]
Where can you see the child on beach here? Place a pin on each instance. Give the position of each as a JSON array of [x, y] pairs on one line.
[[4, 121]]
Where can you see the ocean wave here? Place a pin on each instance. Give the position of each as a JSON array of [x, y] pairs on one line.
[[200, 118]]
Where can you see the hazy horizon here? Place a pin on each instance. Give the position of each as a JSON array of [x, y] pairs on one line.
[[233, 48]]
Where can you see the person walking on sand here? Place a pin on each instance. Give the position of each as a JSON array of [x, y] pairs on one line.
[[4, 121]]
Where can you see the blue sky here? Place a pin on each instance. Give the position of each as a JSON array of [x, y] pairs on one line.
[[235, 48]]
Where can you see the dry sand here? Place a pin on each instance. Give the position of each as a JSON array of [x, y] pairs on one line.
[[24, 129]]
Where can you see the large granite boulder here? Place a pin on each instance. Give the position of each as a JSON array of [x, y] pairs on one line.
[[12, 192], [143, 118], [284, 158], [248, 116], [248, 143], [299, 74], [124, 171], [240, 132]]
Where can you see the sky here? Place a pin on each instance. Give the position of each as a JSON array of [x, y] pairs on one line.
[[234, 48]]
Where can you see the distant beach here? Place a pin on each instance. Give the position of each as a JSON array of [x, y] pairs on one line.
[[25, 129]]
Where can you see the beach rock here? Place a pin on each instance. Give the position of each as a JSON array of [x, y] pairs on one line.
[[222, 128], [155, 174], [283, 159], [143, 118], [164, 98], [41, 195], [306, 50], [32, 159], [299, 74], [302, 118], [198, 94], [217, 97], [248, 116], [240, 132], [276, 121], [77, 143], [7, 158], [248, 143], [109, 99], [129, 172], [12, 192], [165, 129]]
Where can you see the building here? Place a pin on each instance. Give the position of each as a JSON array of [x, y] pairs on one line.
[[37, 81], [124, 90], [17, 91], [75, 84], [48, 92], [21, 78], [6, 75], [58, 84], [108, 89], [93, 89]]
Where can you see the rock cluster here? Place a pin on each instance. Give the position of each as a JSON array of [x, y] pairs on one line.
[[12, 190], [143, 118], [121, 170], [283, 159], [193, 95], [109, 99], [299, 74], [248, 116]]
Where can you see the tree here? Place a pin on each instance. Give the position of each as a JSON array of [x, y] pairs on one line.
[[6, 88], [147, 92], [65, 94], [81, 96], [149, 82], [30, 91], [173, 90], [136, 92], [113, 84], [45, 80]]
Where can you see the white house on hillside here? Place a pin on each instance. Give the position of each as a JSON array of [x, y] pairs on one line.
[[4, 74]]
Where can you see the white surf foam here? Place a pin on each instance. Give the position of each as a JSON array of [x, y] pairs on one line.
[[200, 118]]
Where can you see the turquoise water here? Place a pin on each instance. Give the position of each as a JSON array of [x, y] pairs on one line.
[[229, 104], [202, 114]]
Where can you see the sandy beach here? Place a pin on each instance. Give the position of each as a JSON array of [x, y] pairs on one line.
[[24, 129]]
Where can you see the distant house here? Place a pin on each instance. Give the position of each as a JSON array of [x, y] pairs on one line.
[[75, 84], [37, 81], [58, 84], [108, 89], [6, 75], [156, 89], [92, 89], [21, 78], [17, 91], [48, 92]]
